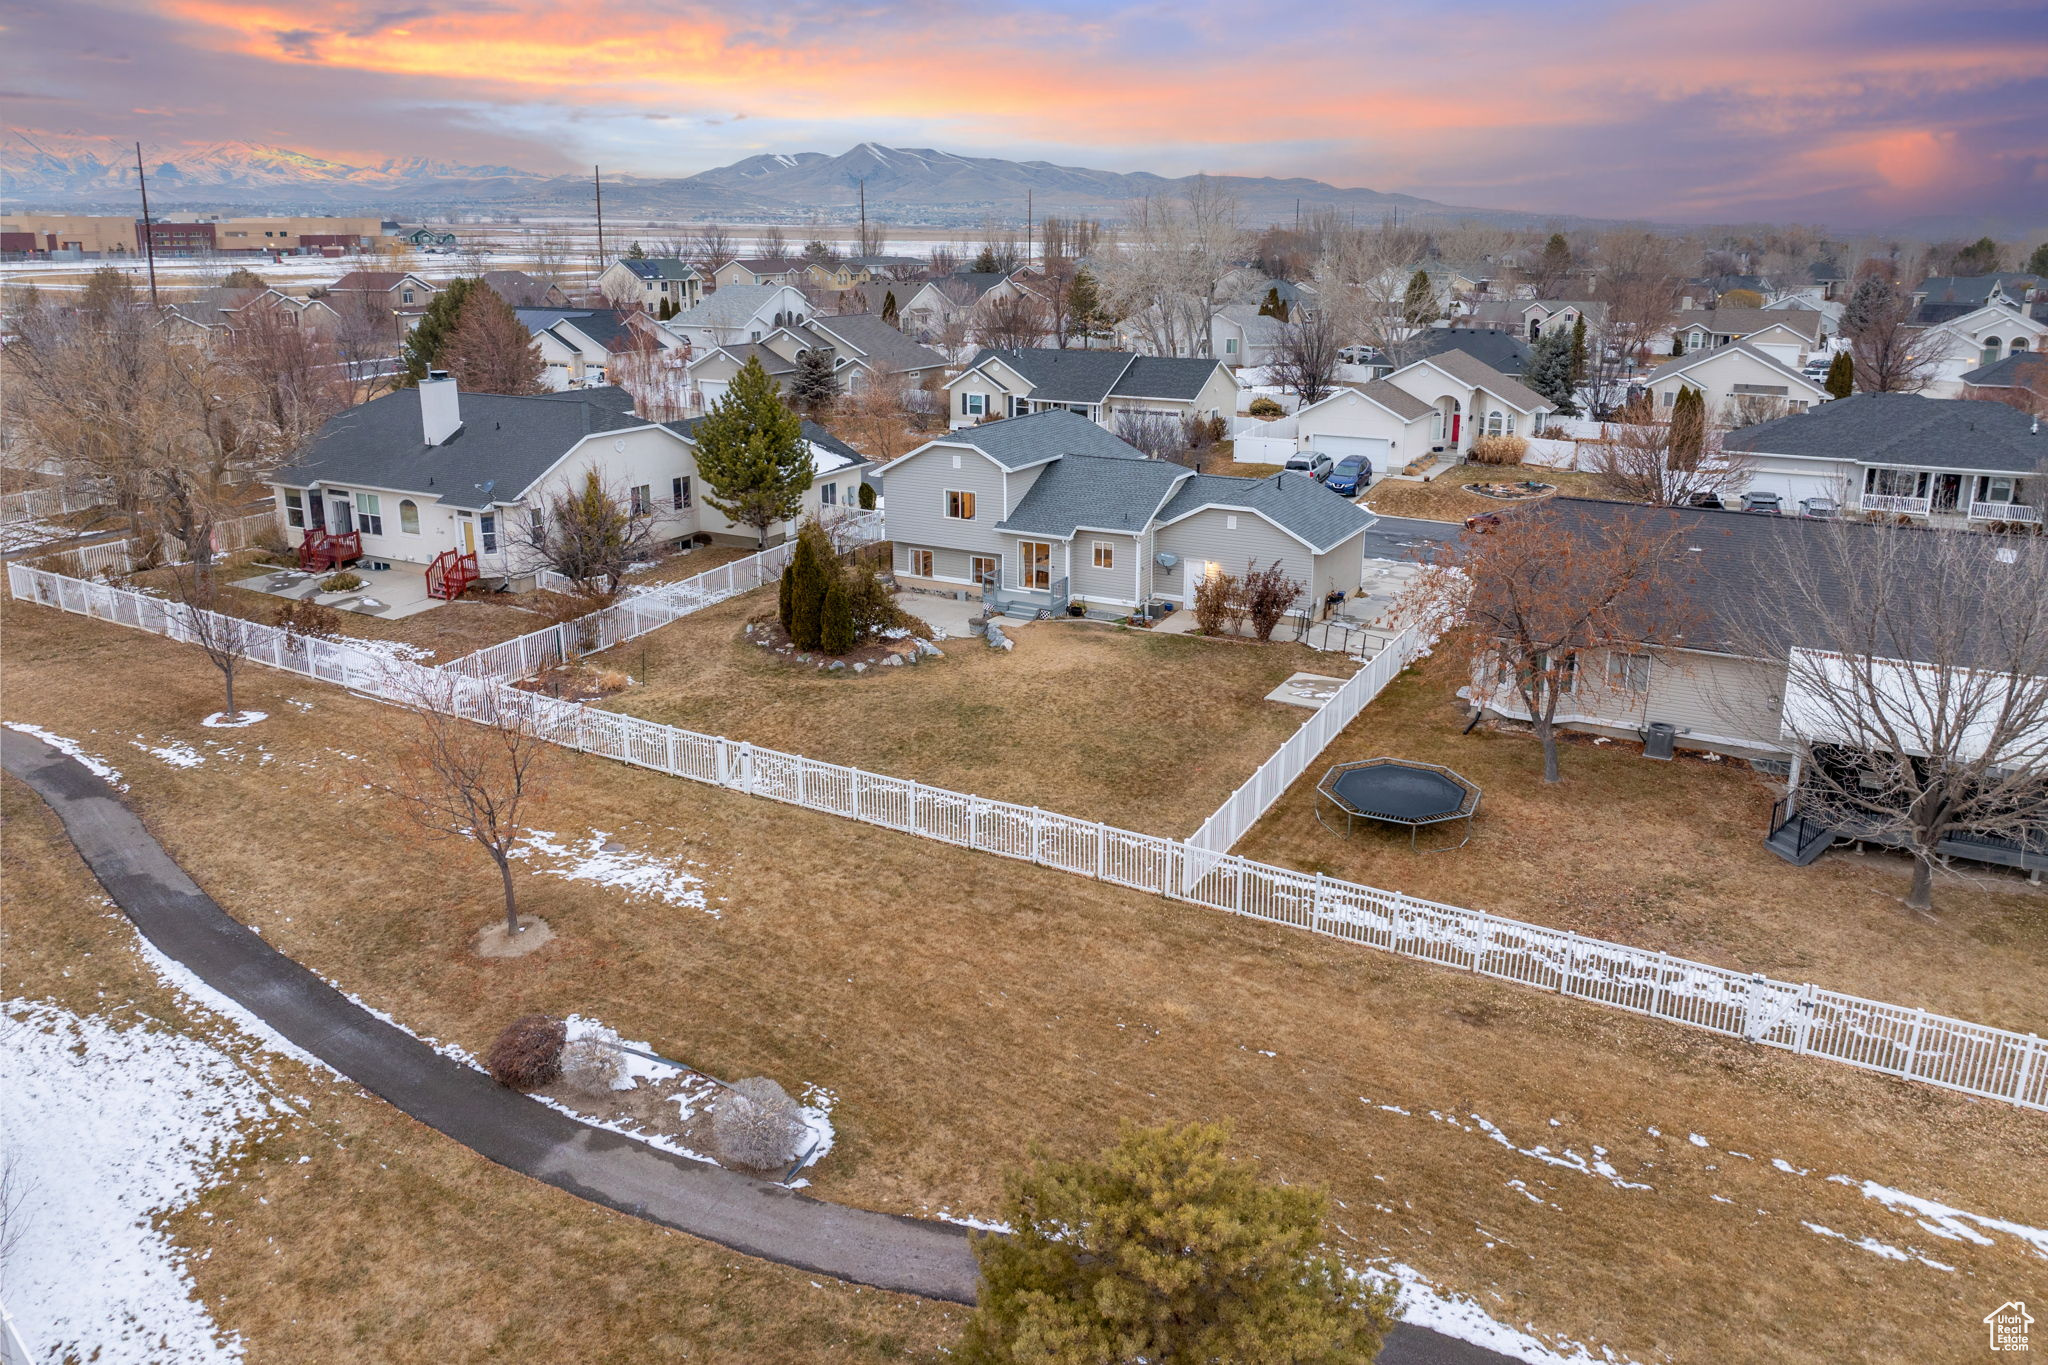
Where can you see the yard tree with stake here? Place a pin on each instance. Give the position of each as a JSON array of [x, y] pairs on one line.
[[589, 534], [752, 453], [421, 349], [1167, 1251], [1841, 381]]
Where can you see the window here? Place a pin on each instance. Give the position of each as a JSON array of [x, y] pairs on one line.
[[1493, 422], [1104, 553], [1229, 523], [370, 514], [1036, 569], [960, 506], [1628, 672], [679, 493], [406, 296], [973, 405], [828, 495], [643, 499], [2001, 488], [408, 516], [537, 520], [921, 563], [1230, 345], [985, 568], [1668, 398], [487, 527], [294, 508], [1990, 350]]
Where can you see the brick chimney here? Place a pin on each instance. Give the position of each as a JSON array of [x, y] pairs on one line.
[[440, 407]]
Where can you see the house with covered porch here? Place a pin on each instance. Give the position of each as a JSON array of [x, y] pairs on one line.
[[1946, 461], [1471, 399], [1034, 512], [1098, 385]]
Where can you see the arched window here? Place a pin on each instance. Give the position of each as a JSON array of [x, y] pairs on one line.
[[409, 516], [2019, 344], [1991, 345], [1493, 422]]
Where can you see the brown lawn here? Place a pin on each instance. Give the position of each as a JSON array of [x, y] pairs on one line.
[[348, 1232], [960, 1007], [1147, 731], [1222, 459], [1670, 856], [1443, 497], [676, 567]]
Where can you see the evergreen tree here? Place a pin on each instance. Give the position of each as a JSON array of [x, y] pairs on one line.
[[1166, 1250], [1677, 344], [1579, 349], [1274, 306], [785, 595], [1418, 304], [1549, 371], [806, 578], [890, 314], [636, 252], [1870, 301], [489, 349], [667, 310], [836, 634], [1978, 258], [2037, 264], [1084, 303], [242, 277], [815, 385], [752, 453], [1688, 427], [867, 496], [1841, 375], [421, 349], [1557, 263], [987, 262]]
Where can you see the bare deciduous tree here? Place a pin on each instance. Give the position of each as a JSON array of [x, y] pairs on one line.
[[1640, 462], [589, 534], [1889, 353], [1159, 434], [1915, 719], [1010, 321], [224, 638], [1528, 598], [1305, 358], [471, 765], [1176, 268]]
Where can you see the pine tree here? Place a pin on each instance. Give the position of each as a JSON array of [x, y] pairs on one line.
[[422, 346], [1084, 303], [815, 385], [1841, 375], [752, 453], [785, 595], [242, 277], [489, 349], [1274, 306], [1549, 371], [667, 310], [1688, 427], [836, 634], [636, 252], [890, 314], [1557, 261], [1579, 349], [2037, 264], [1165, 1249], [1978, 258], [987, 262], [1418, 304], [867, 496], [1871, 300], [1677, 344]]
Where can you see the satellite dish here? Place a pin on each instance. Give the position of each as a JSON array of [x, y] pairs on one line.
[[1166, 559]]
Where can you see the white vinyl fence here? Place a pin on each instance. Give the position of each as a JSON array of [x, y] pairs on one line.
[[1243, 807], [117, 558], [1916, 1045], [52, 500], [644, 609]]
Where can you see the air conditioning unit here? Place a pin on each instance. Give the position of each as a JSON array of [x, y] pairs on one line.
[[1658, 739]]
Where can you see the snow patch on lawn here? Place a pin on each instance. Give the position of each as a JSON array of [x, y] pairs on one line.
[[1420, 1303], [175, 752], [221, 720], [98, 767], [1944, 1220], [596, 859], [115, 1128], [1872, 1245]]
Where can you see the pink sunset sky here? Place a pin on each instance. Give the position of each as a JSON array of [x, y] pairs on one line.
[[1851, 114]]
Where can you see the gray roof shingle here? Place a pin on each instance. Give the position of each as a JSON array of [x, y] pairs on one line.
[[1465, 367], [1494, 347], [1679, 364], [1171, 377], [1058, 376], [1020, 442], [1293, 502], [1106, 494], [880, 345], [1905, 429], [659, 267], [2019, 370], [729, 307]]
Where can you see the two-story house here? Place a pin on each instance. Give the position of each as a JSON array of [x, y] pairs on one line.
[[1035, 512], [1098, 385], [864, 351], [658, 284], [578, 346], [759, 270], [401, 294], [739, 312]]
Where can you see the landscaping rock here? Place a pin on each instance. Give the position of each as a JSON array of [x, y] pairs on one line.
[[996, 638], [892, 660], [835, 665], [862, 668]]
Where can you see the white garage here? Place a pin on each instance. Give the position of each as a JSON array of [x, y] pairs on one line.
[[1378, 449], [1376, 420]]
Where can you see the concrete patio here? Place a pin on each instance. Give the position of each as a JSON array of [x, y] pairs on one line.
[[390, 593]]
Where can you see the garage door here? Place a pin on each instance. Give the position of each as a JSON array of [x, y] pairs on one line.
[[1378, 449]]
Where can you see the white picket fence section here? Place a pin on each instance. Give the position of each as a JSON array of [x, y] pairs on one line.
[[1913, 1044], [1242, 809], [13, 1350], [645, 609], [52, 500], [117, 558]]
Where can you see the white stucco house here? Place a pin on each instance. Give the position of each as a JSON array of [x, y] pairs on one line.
[[1983, 336], [1379, 420], [1740, 383], [433, 475], [1471, 399]]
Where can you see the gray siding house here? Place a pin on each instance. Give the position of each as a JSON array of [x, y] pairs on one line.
[[1099, 385], [1041, 510]]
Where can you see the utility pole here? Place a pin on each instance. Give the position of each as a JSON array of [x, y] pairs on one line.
[[1027, 225], [598, 184], [862, 248], [148, 234]]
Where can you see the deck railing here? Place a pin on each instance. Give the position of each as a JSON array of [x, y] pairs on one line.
[[2004, 511], [1893, 502], [1805, 1019]]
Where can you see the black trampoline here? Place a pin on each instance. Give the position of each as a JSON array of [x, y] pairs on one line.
[[1398, 791]]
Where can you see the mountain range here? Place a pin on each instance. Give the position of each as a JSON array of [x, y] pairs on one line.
[[71, 171]]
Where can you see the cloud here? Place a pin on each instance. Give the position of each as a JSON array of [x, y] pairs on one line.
[[1685, 110]]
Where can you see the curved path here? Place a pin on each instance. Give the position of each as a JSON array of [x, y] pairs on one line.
[[888, 1251]]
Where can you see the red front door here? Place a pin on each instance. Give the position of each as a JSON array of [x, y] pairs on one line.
[[1454, 428]]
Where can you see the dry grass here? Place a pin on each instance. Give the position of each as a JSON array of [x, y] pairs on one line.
[[1222, 459], [1670, 856], [1444, 498], [389, 1242], [1148, 731], [676, 567], [961, 1006]]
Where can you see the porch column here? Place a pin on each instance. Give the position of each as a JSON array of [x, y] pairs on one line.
[[1792, 785]]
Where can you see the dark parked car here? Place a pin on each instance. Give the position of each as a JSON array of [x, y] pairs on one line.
[[1350, 476], [1313, 463], [1712, 500], [1770, 504]]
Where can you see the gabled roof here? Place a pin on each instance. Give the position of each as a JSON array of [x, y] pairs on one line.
[[1740, 322], [1905, 429], [1683, 363], [1020, 442], [1058, 376], [967, 286], [767, 265], [378, 281], [608, 328], [505, 442], [1499, 348], [518, 288], [1975, 290], [1295, 503], [1104, 493], [212, 307], [658, 267], [2021, 369], [829, 454], [879, 346], [1178, 378], [730, 306], [1467, 369], [1260, 329], [740, 352], [1392, 397]]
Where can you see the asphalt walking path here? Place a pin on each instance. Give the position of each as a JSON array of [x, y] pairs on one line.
[[754, 1217]]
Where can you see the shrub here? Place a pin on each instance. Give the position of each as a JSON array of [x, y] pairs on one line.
[[836, 634], [1265, 595], [756, 1124], [1553, 432], [867, 497], [1499, 450], [308, 619], [1262, 406], [342, 582], [528, 1054], [592, 1063], [1213, 602]]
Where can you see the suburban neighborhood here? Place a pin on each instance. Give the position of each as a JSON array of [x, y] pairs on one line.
[[937, 755]]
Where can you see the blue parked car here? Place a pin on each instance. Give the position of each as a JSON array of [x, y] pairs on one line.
[[1350, 477]]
